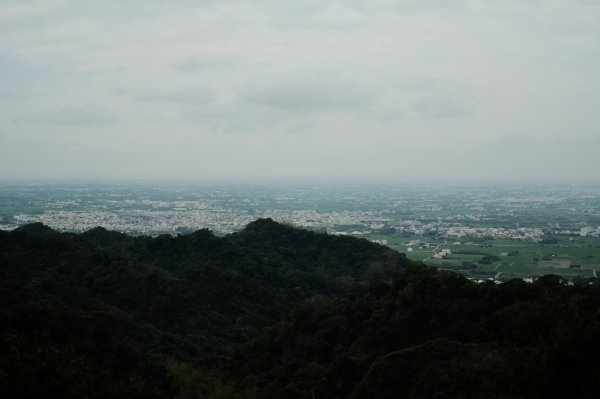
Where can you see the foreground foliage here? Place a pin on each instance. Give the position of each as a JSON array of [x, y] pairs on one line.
[[274, 311]]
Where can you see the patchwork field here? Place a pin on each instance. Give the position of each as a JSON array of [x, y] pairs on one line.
[[571, 257]]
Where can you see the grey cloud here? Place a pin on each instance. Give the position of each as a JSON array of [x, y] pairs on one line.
[[297, 9], [192, 96], [14, 71], [46, 13], [315, 16], [417, 83], [199, 64], [406, 72], [6, 95], [311, 94], [79, 115], [443, 108], [406, 6], [238, 118]]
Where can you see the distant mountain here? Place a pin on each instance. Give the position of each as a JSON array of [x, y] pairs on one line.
[[274, 311]]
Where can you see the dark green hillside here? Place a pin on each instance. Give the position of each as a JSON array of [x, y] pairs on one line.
[[76, 302], [278, 312], [433, 334], [36, 229]]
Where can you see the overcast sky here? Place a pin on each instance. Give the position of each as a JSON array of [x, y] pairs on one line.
[[271, 89]]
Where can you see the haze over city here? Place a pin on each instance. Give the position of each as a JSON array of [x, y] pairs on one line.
[[392, 90]]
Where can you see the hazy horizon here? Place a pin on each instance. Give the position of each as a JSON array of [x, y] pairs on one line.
[[406, 91], [281, 182]]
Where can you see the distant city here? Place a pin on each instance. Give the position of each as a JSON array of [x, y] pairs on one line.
[[476, 211], [483, 231]]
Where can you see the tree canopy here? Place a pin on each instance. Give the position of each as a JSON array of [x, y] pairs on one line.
[[280, 312]]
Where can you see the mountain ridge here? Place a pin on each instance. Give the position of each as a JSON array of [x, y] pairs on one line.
[[280, 312]]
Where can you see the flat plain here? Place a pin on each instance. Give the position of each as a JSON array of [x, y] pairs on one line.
[[570, 257]]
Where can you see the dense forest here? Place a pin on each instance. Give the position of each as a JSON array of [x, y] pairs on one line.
[[274, 311]]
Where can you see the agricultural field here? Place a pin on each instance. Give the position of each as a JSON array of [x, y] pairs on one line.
[[570, 257]]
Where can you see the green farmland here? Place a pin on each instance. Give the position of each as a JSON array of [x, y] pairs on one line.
[[570, 257]]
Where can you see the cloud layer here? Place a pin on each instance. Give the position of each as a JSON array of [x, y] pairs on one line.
[[241, 89]]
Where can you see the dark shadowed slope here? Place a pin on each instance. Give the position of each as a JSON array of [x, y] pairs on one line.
[[75, 302], [278, 312]]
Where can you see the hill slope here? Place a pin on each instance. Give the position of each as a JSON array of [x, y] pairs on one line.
[[275, 311], [80, 298]]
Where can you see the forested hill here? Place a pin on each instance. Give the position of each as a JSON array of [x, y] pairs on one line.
[[75, 303], [277, 312]]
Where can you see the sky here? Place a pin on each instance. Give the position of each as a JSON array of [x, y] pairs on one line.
[[402, 90]]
